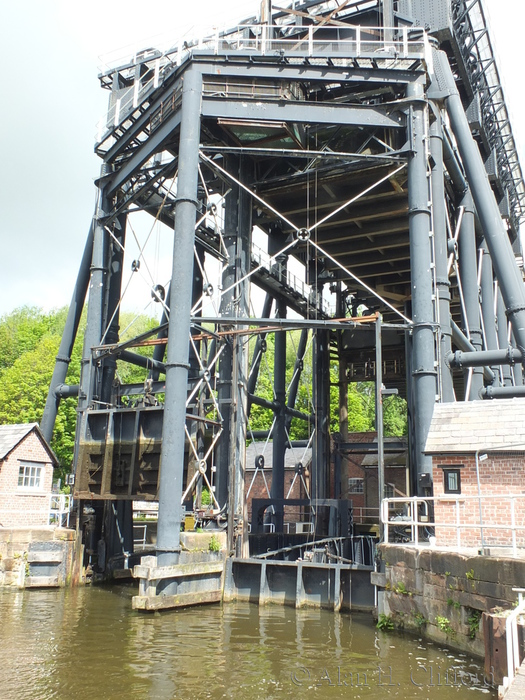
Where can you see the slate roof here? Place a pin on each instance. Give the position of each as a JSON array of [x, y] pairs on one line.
[[468, 426], [291, 457], [12, 435]]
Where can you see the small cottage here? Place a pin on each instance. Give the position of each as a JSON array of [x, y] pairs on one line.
[[478, 467], [26, 476]]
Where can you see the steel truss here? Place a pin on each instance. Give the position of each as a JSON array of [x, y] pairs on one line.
[[345, 146]]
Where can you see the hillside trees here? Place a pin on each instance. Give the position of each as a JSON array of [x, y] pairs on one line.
[[29, 342]]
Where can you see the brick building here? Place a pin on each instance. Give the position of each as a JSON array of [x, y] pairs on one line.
[[26, 476], [478, 448], [258, 481], [362, 472]]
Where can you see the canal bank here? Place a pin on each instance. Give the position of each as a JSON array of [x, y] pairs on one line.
[[458, 598], [40, 556]]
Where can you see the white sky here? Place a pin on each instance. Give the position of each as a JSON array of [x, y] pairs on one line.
[[52, 102]]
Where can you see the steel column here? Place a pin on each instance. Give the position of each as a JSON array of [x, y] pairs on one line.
[[419, 223], [95, 311], [173, 433], [498, 243], [469, 282], [112, 305], [321, 400], [503, 338], [487, 308], [441, 252], [67, 341], [279, 439], [237, 513]]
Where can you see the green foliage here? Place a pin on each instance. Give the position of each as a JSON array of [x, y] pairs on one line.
[[453, 603], [214, 544], [401, 588], [470, 575], [473, 618], [420, 619], [205, 497], [444, 625], [385, 623], [29, 342]]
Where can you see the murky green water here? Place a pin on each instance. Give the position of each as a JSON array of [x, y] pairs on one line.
[[87, 644]]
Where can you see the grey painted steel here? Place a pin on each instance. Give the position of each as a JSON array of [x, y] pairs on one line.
[[503, 340], [419, 223], [517, 369], [379, 421], [64, 391], [257, 351], [296, 377], [484, 358], [115, 261], [237, 514], [503, 392], [160, 350], [141, 361], [95, 311], [308, 71], [173, 433], [469, 281], [67, 341], [466, 346], [279, 439], [321, 401], [303, 112], [487, 309], [503, 260], [453, 164], [441, 255], [153, 144]]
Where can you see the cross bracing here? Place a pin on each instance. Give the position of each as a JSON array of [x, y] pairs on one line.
[[336, 164]]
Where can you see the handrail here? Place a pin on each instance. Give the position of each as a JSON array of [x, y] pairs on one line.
[[511, 635], [60, 506], [394, 44], [413, 520]]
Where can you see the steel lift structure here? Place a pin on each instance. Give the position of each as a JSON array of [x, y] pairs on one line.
[[366, 146]]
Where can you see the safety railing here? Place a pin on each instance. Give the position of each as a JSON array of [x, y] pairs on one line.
[[60, 506], [351, 40], [260, 258], [140, 535], [512, 639], [364, 514], [473, 520], [393, 45]]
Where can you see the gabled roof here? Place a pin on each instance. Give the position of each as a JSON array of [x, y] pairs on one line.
[[12, 435], [468, 426], [291, 456]]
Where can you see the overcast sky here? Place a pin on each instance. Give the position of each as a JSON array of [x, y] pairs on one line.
[[52, 102]]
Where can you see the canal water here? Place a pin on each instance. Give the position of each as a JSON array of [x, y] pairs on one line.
[[87, 644]]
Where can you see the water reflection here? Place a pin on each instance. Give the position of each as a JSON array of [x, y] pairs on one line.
[[88, 643]]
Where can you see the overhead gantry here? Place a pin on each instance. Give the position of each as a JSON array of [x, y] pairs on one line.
[[355, 166]]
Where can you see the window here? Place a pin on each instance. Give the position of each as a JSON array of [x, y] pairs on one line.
[[355, 485], [30, 476], [452, 480], [389, 491]]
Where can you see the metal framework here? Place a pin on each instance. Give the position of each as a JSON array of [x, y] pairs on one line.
[[354, 161]]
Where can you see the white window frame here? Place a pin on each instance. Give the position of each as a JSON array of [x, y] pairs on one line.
[[354, 481], [31, 472]]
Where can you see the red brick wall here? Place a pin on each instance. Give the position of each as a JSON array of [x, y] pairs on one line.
[[23, 507], [501, 475], [258, 490]]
